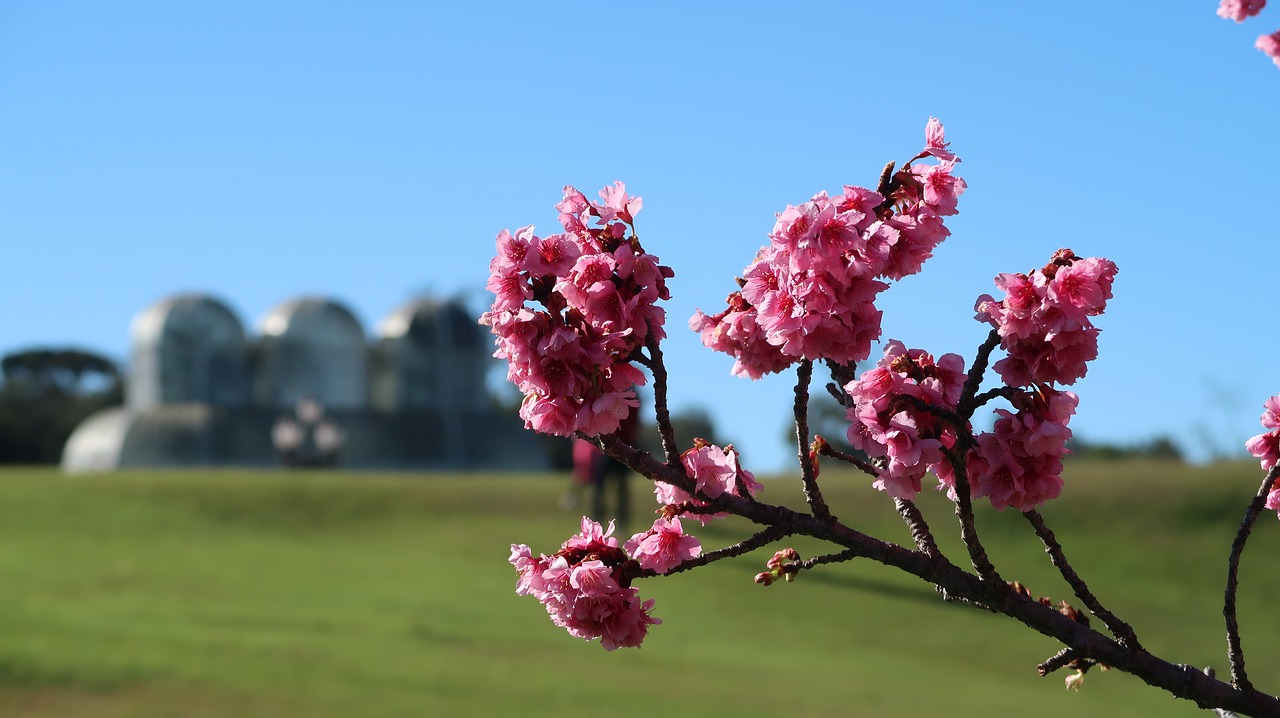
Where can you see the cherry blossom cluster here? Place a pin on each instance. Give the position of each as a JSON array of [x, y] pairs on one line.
[[598, 289], [902, 412], [1239, 11], [1044, 318], [810, 292], [1018, 464], [715, 471], [585, 586], [888, 419], [1266, 447]]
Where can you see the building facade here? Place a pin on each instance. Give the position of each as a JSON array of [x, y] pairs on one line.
[[200, 391]]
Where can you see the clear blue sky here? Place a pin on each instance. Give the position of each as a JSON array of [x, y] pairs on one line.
[[370, 151]]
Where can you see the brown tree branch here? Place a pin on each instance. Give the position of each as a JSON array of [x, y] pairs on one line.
[[808, 475], [762, 538], [1235, 651], [1121, 630], [826, 449], [918, 527], [1179, 680], [665, 430]]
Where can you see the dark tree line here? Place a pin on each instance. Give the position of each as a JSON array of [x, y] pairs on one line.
[[46, 393]]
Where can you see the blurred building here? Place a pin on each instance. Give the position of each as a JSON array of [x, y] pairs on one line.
[[202, 392]]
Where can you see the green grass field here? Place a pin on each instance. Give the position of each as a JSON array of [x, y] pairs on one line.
[[211, 594]]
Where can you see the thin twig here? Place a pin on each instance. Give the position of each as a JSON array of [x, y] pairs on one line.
[[919, 528], [826, 449], [808, 476], [841, 374], [1179, 680], [762, 538], [1057, 660], [1007, 392], [964, 514], [1235, 651], [1121, 630], [974, 379], [828, 558], [670, 450]]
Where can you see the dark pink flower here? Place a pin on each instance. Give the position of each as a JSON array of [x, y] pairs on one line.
[[1019, 462], [906, 439], [1044, 320], [573, 358], [810, 293]]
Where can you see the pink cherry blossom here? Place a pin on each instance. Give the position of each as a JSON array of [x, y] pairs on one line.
[[593, 578], [736, 332], [664, 546], [1018, 464], [1238, 10], [585, 587], [1270, 44], [1266, 446], [810, 293], [1044, 320], [715, 471], [906, 441], [573, 356], [935, 141]]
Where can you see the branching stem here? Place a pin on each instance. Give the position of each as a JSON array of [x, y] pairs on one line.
[[808, 475], [1235, 651], [1121, 630], [666, 431]]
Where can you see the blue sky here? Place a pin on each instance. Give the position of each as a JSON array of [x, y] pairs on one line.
[[371, 151]]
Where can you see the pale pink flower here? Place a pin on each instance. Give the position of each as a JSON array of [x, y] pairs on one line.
[[628, 627], [935, 141], [1271, 412], [736, 332], [591, 536], [711, 468], [584, 587], [593, 578], [715, 471], [1266, 447], [1273, 499], [617, 203], [1238, 10], [1270, 44], [664, 546]]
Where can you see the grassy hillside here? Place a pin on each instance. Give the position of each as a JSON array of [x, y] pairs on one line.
[[260, 594]]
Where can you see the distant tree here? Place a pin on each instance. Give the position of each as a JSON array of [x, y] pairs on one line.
[[690, 423], [826, 419], [46, 394], [1161, 447]]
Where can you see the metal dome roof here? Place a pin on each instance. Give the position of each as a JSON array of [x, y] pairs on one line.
[[314, 317], [187, 315], [426, 321]]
